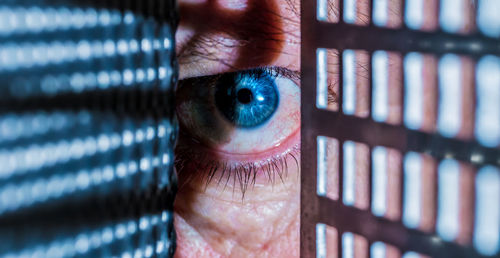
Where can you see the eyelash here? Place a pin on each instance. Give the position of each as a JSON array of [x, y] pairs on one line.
[[209, 169], [245, 173]]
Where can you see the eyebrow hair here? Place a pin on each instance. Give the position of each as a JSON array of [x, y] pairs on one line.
[[204, 45]]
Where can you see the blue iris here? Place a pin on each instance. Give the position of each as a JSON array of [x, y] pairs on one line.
[[247, 99]]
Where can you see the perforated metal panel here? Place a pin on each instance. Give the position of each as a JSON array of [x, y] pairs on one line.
[[87, 128], [430, 176]]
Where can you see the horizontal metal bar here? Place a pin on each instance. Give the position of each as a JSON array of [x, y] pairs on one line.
[[371, 38], [364, 223], [367, 131]]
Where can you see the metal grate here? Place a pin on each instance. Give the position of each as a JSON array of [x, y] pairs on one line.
[[444, 180], [87, 128]]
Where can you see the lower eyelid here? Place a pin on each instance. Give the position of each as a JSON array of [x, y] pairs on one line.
[[210, 166]]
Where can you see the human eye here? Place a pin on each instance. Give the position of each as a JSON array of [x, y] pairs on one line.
[[239, 127]]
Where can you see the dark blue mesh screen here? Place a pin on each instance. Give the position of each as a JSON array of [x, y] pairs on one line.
[[87, 128]]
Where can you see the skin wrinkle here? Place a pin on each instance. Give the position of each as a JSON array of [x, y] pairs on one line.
[[211, 220], [246, 27]]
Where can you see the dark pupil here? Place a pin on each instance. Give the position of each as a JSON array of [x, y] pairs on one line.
[[245, 96], [246, 99]]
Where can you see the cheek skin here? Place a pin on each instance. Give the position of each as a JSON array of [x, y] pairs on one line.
[[213, 222]]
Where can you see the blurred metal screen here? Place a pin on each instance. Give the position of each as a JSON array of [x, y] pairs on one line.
[[87, 128], [431, 174]]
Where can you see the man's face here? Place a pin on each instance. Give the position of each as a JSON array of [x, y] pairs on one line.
[[239, 178], [238, 103]]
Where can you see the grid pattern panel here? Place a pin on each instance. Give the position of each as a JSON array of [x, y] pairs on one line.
[[87, 128], [474, 158]]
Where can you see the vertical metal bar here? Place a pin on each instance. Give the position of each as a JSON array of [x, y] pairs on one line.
[[370, 84], [341, 169], [370, 178], [341, 17], [339, 242], [371, 24], [308, 198], [340, 96]]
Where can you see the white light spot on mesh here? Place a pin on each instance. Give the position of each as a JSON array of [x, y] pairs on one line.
[[377, 250], [160, 246], [139, 75], [139, 135], [128, 18], [145, 164], [108, 173], [451, 15], [349, 74], [83, 179], [103, 143], [82, 243], [487, 218], [414, 13], [488, 19], [146, 45], [104, 18], [322, 166], [348, 245], [322, 10], [349, 11], [380, 12], [379, 190], [107, 235], [380, 86], [349, 183], [128, 138], [144, 223], [134, 46], [128, 77], [412, 190], [149, 251], [411, 255], [487, 128], [120, 231], [449, 116], [109, 47], [447, 224], [321, 240], [322, 77], [165, 158], [413, 110]]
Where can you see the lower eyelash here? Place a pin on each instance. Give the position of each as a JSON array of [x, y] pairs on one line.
[[276, 168]]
